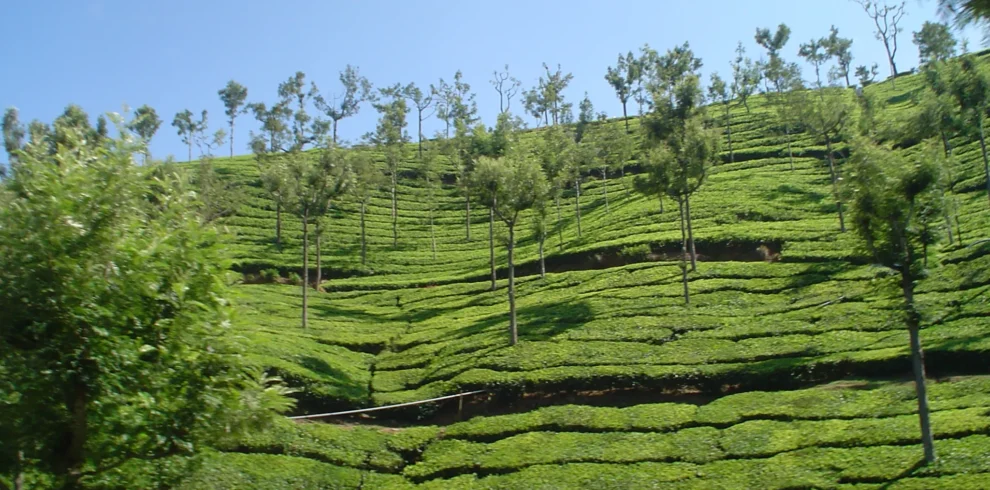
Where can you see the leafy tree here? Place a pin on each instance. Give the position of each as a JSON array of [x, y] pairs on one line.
[[840, 49], [784, 77], [72, 119], [970, 87], [313, 185], [586, 115], [217, 198], [935, 42], [687, 149], [357, 89], [893, 198], [866, 75], [145, 124], [745, 77], [39, 134], [233, 96], [390, 138], [886, 19], [511, 184], [718, 93], [612, 150], [423, 102], [553, 91], [188, 128], [535, 104], [13, 133], [368, 180], [507, 87], [113, 322], [825, 113], [552, 151], [429, 171], [456, 106], [102, 131], [622, 78]]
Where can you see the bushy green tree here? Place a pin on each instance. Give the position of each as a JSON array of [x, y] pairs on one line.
[[511, 184], [622, 78], [718, 93], [13, 134], [935, 42], [894, 198], [970, 87], [357, 89], [188, 128], [112, 322], [390, 138], [145, 124], [233, 96], [745, 77], [840, 49]]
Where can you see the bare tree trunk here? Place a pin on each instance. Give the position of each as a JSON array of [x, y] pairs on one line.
[[433, 237], [560, 228], [231, 137], [790, 152], [946, 144], [395, 212], [420, 133], [661, 203], [305, 278], [983, 149], [917, 359], [335, 131], [684, 252], [690, 233], [728, 130], [467, 215], [625, 116], [278, 225], [190, 149], [543, 265], [605, 186], [948, 222], [364, 241], [577, 204], [319, 257], [513, 328], [491, 246], [835, 184]]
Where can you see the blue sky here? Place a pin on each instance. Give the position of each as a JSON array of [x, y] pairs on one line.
[[174, 55]]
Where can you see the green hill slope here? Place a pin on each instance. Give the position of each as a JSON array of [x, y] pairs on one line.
[[407, 327]]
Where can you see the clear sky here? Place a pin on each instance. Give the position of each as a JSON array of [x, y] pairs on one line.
[[174, 55]]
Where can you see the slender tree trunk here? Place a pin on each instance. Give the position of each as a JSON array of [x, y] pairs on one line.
[[73, 457], [513, 329], [835, 183], [983, 150], [364, 241], [231, 137], [420, 132], [319, 257], [959, 235], [661, 203], [335, 131], [560, 228], [690, 233], [684, 253], [395, 212], [305, 278], [846, 71], [467, 215], [19, 472], [946, 144], [605, 186], [790, 152], [433, 236], [577, 204], [491, 246], [190, 149], [543, 265], [728, 130], [917, 359], [278, 225], [948, 222], [625, 116]]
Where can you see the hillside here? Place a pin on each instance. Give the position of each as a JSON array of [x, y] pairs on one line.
[[740, 389]]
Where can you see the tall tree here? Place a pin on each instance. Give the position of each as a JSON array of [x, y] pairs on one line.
[[552, 151], [785, 78], [613, 149], [233, 96], [145, 124], [586, 115], [368, 180], [970, 86], [935, 42], [512, 184], [553, 91], [429, 172], [423, 102], [507, 87], [719, 93], [313, 183], [457, 107], [886, 19], [113, 322], [745, 77], [217, 197], [840, 49], [390, 138], [13, 133], [892, 199], [357, 89], [622, 78], [188, 128]]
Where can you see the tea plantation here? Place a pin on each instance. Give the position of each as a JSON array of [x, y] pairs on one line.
[[787, 373]]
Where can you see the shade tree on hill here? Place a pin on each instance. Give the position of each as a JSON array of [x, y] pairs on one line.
[[623, 78], [867, 75], [552, 151], [390, 139], [782, 80], [145, 124], [895, 201], [886, 18], [970, 87], [423, 102], [935, 42], [612, 149], [368, 181], [840, 49], [746, 77], [357, 90], [512, 184], [189, 129], [456, 106], [13, 134], [718, 93], [233, 95], [507, 87]]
